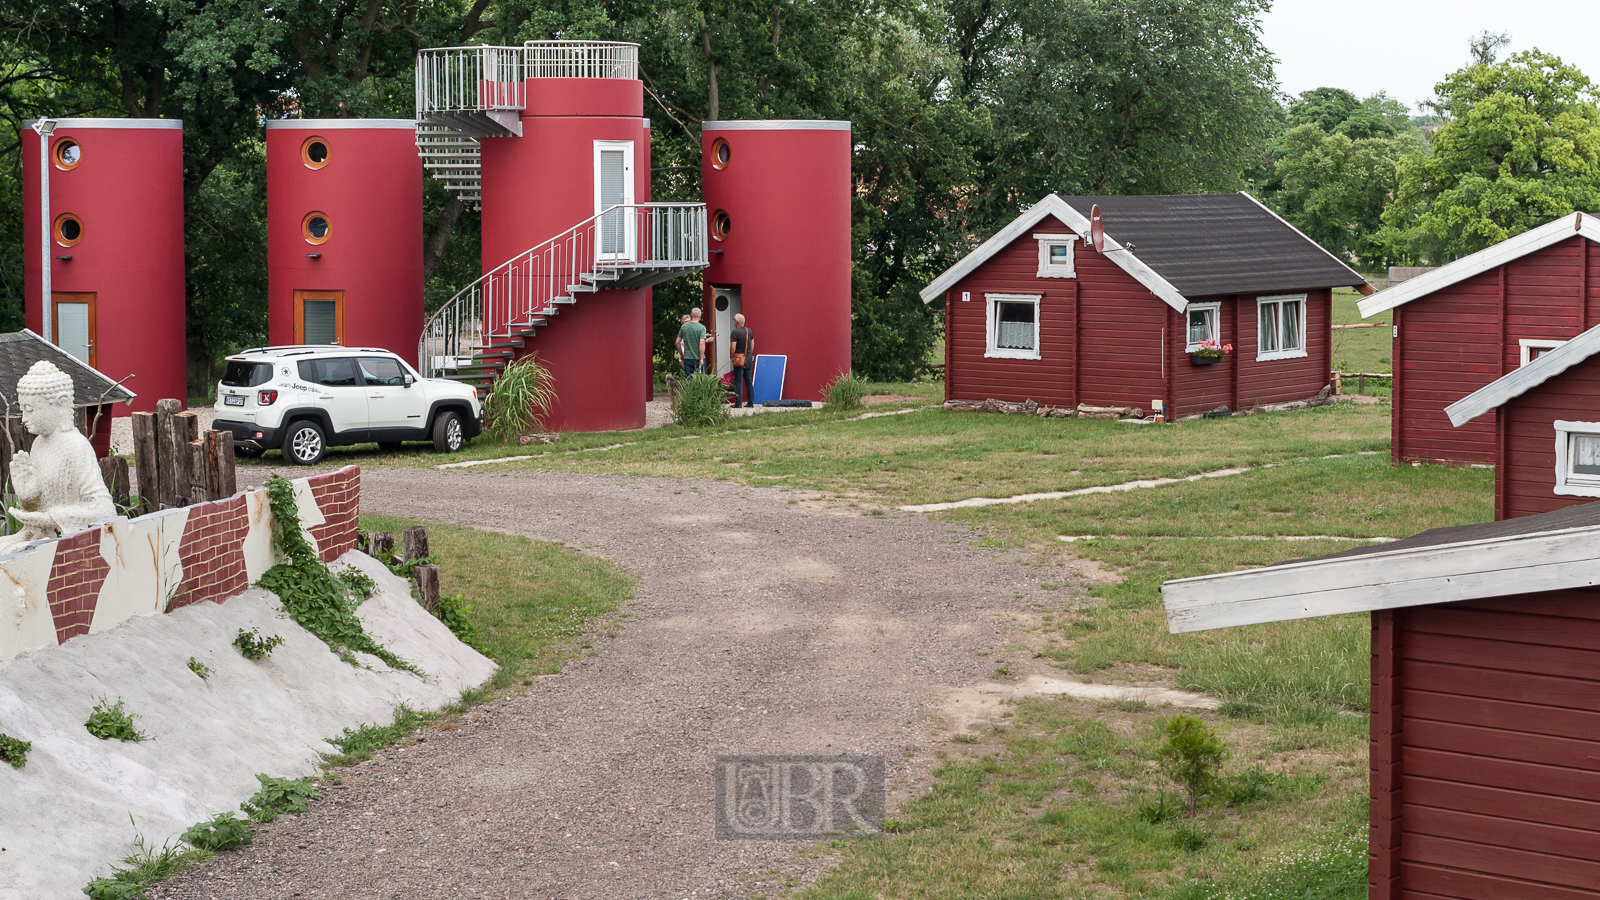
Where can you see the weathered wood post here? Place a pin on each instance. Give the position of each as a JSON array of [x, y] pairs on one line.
[[114, 469], [146, 461], [221, 477], [199, 489], [414, 542], [427, 579], [380, 546], [172, 474]]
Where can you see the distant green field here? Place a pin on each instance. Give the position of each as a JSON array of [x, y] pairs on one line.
[[1361, 349]]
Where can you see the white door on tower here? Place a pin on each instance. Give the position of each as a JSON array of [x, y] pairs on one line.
[[613, 187]]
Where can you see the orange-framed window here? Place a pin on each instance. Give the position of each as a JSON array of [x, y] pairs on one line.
[[314, 151], [316, 227], [68, 229], [319, 317], [66, 153]]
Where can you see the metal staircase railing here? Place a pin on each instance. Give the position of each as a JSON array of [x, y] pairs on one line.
[[468, 93], [479, 330]]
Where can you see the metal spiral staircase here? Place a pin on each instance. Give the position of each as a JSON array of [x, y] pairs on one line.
[[469, 94]]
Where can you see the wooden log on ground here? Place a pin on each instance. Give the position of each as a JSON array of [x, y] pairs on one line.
[[145, 461], [1104, 412], [414, 543], [114, 469], [380, 546], [427, 579]]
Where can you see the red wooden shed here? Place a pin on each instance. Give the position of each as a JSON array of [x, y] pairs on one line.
[[1485, 728], [1461, 326], [1547, 426], [1036, 312]]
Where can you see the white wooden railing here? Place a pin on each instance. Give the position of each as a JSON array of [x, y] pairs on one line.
[[456, 79], [621, 247]]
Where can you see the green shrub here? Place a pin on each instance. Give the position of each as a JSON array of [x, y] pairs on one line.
[[456, 615], [520, 398], [108, 720], [845, 392], [253, 645], [145, 868], [199, 668], [701, 402], [278, 796], [1191, 755], [224, 832], [14, 751]]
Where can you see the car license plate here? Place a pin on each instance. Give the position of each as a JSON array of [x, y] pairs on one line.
[[232, 401]]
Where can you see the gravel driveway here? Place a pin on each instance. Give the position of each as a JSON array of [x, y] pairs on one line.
[[759, 626]]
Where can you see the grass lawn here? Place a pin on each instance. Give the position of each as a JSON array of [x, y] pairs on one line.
[[1061, 798], [1361, 349], [533, 602]]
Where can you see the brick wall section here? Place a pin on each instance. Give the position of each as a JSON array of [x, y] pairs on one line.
[[76, 575], [212, 552], [338, 495]]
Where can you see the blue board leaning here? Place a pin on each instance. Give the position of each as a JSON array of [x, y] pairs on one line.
[[767, 383]]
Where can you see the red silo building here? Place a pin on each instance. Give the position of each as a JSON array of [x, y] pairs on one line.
[[778, 198], [344, 233], [115, 208], [550, 138]]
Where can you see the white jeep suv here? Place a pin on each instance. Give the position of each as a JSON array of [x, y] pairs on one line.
[[304, 399]]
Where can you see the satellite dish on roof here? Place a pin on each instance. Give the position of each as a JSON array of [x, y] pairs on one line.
[[1097, 229]]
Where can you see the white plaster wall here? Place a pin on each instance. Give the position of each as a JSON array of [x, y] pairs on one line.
[[64, 816]]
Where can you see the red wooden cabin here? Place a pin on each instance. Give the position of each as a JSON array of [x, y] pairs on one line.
[[1485, 728], [1547, 422], [1461, 326], [1036, 312]]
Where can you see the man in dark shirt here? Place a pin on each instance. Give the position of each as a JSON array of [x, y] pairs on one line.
[[742, 346]]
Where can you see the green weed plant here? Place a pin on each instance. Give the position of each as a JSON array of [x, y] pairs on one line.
[[14, 751], [145, 867], [109, 720], [701, 402], [224, 832], [199, 668], [320, 601], [253, 645], [520, 399], [279, 796], [846, 392]]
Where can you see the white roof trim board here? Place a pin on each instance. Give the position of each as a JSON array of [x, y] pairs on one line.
[[339, 124], [1489, 258], [1517, 382], [1023, 224], [1418, 576]]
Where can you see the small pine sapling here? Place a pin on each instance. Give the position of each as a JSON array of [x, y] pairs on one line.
[[1191, 755]]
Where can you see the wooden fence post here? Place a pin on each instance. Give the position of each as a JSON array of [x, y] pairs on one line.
[[414, 542], [380, 546], [221, 478], [145, 461], [427, 578], [114, 469], [172, 465], [199, 491]]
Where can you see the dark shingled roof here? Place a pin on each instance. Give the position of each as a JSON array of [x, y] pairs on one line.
[[1583, 515], [19, 350], [1205, 244]]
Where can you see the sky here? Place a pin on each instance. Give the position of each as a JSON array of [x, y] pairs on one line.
[[1406, 46]]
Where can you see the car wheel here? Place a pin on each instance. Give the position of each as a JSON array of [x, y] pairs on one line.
[[447, 434], [388, 446], [304, 445]]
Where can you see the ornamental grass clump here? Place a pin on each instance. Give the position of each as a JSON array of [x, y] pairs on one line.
[[320, 601], [520, 398], [701, 402], [846, 392]]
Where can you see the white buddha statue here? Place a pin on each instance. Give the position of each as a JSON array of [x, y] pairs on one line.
[[58, 486]]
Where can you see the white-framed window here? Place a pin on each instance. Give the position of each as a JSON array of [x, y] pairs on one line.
[[1203, 324], [1013, 326], [1532, 349], [1578, 458], [1281, 326], [1055, 255]]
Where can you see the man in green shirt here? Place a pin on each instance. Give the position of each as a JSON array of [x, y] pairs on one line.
[[692, 343]]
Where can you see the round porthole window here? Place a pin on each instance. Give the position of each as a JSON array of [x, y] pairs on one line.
[[314, 152], [69, 229], [67, 152], [720, 153], [315, 228], [721, 224], [722, 304]]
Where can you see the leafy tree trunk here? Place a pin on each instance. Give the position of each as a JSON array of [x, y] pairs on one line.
[[713, 105], [433, 247]]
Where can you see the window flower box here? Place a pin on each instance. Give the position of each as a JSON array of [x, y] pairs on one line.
[[1209, 351]]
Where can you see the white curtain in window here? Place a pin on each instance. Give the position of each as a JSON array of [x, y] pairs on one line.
[[1016, 336], [1291, 325], [1268, 327], [1199, 325], [1586, 454]]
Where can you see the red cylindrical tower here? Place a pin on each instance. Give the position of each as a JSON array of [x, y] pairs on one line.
[[778, 197], [538, 186], [344, 233], [116, 249]]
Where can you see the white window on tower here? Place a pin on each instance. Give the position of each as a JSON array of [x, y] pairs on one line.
[[1281, 327], [1577, 459], [613, 187], [1013, 326]]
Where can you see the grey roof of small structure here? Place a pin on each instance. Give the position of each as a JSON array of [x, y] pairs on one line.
[[19, 350], [1583, 515], [1206, 244]]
